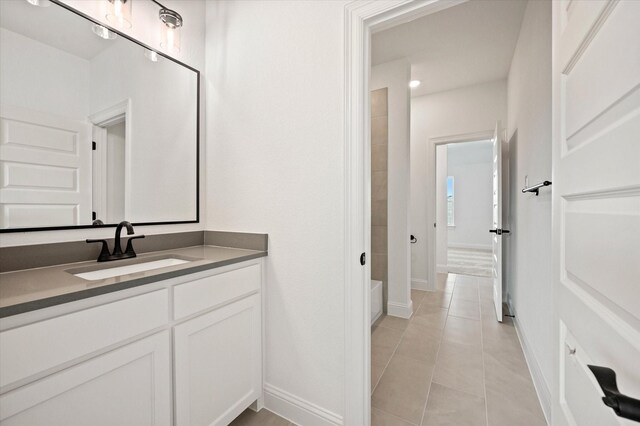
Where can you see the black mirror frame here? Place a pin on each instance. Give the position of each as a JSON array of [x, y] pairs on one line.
[[197, 171]]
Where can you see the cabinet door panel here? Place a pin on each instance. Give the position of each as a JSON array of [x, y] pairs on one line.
[[50, 344], [218, 363], [130, 385]]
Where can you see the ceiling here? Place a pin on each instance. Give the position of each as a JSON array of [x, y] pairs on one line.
[[460, 46], [52, 25]]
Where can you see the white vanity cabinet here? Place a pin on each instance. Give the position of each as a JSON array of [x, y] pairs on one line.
[[184, 351], [130, 385], [218, 353]]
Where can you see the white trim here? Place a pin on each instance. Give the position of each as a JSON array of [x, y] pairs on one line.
[[442, 269], [400, 310], [470, 246], [298, 410], [113, 115], [419, 284], [361, 19], [539, 383], [482, 135]]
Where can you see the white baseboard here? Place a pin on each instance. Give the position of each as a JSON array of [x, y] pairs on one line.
[[418, 284], [539, 383], [442, 269], [298, 410], [400, 309], [470, 246]]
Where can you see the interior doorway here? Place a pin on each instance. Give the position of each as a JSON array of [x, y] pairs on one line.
[[111, 163], [363, 21], [463, 208]]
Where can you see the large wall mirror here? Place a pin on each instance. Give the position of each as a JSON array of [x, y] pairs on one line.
[[92, 130]]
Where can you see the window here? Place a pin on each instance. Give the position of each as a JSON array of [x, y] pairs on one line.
[[450, 201]]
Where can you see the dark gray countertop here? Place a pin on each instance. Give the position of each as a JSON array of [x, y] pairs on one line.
[[30, 289]]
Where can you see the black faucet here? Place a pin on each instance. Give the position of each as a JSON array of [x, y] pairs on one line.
[[105, 256]]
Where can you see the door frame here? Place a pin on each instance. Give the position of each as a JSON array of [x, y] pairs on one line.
[[117, 113], [363, 18], [431, 188]]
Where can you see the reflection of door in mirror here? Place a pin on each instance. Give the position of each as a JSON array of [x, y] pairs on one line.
[[109, 171], [45, 176]]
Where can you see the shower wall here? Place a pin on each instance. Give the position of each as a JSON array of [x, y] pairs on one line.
[[379, 197]]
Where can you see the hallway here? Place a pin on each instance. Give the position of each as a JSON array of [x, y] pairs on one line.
[[452, 363]]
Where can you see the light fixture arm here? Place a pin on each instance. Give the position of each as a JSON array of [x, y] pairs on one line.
[[159, 4]]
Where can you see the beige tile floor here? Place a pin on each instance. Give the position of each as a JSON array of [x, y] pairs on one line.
[[452, 363], [262, 418]]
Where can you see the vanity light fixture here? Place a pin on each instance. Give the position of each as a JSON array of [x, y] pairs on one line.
[[103, 32], [171, 22], [119, 13], [414, 83], [41, 3]]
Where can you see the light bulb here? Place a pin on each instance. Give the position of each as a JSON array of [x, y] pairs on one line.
[[171, 21], [119, 13]]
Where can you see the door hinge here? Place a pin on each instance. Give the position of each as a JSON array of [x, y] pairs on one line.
[[93, 145], [363, 259]]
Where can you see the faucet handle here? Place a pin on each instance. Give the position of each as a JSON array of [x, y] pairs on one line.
[[104, 253], [129, 250]]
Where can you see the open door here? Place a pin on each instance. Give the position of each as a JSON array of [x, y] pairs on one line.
[[596, 208], [496, 240]]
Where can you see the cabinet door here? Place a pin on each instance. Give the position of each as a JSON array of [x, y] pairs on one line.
[[130, 385], [218, 364]]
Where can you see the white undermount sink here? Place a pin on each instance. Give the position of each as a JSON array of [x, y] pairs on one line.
[[101, 274]]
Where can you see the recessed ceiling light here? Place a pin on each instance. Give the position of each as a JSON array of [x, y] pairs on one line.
[[151, 55], [103, 32], [414, 83], [41, 3]]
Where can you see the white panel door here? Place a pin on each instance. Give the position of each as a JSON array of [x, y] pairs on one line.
[[496, 239], [596, 199], [45, 170], [218, 364], [129, 386]]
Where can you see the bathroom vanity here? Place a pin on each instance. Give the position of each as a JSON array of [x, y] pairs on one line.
[[179, 344], [110, 133]]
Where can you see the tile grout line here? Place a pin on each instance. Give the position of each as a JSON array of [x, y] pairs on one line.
[[394, 351], [484, 369], [433, 371], [396, 417]]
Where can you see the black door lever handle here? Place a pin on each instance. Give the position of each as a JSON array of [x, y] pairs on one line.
[[622, 405], [499, 231]]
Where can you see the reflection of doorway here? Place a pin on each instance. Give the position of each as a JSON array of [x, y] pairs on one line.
[[463, 208], [462, 243], [111, 137]]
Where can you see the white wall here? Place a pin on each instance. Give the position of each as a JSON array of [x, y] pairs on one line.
[[442, 240], [395, 76], [465, 110], [472, 169], [162, 151], [529, 129], [275, 164], [66, 78], [146, 29]]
